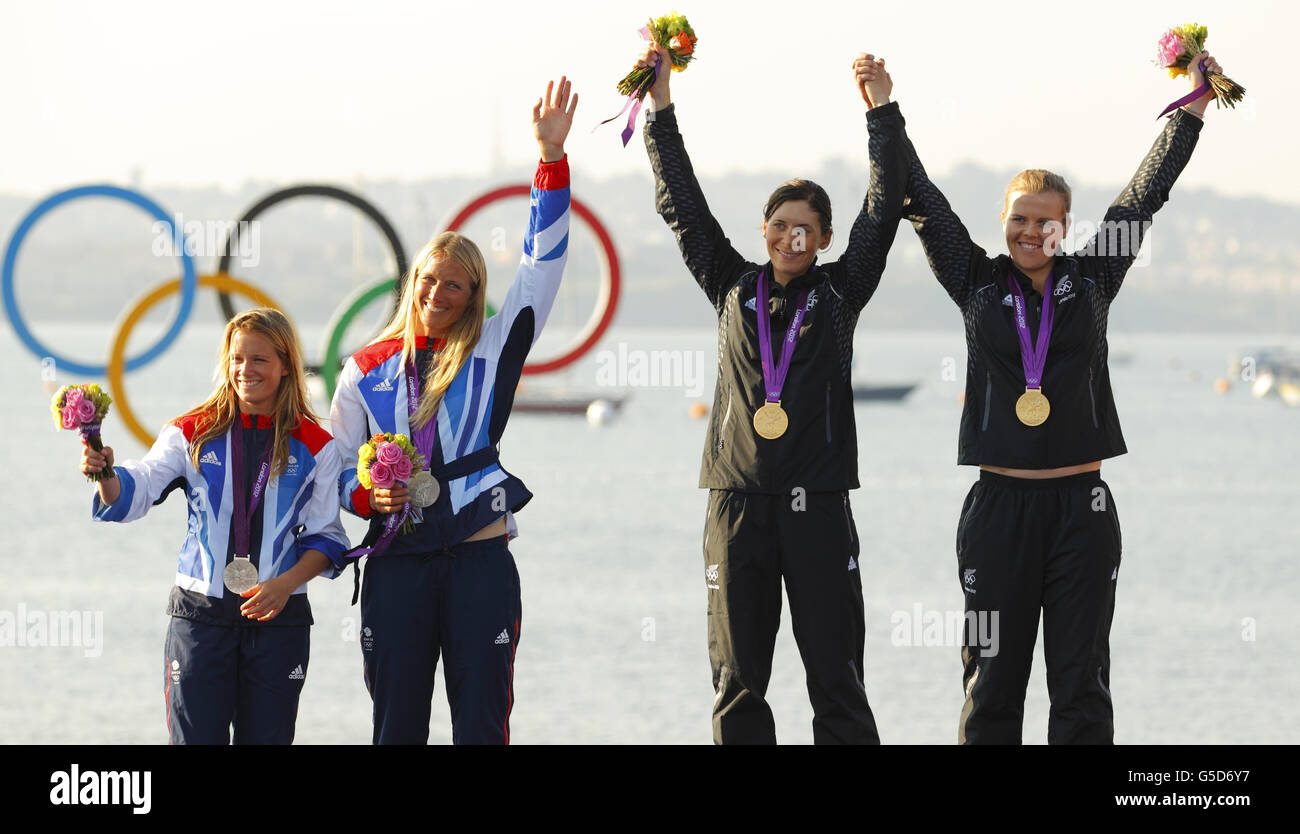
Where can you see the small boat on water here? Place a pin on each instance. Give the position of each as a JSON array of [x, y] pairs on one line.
[[883, 393], [565, 400], [1270, 371]]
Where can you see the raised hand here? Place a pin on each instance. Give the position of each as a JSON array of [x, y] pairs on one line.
[[660, 95], [92, 462], [552, 118], [1196, 78], [874, 84]]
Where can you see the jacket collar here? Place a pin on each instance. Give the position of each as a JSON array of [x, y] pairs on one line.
[[264, 421], [1059, 268], [809, 279]]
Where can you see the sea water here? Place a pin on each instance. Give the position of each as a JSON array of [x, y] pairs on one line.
[[613, 647]]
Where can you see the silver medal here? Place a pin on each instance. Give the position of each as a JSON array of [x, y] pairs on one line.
[[240, 574], [424, 489]]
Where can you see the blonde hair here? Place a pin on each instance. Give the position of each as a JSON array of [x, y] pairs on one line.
[[1037, 181], [292, 403], [463, 335]]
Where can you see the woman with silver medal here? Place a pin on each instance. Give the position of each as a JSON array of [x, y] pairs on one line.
[[260, 476], [445, 376], [1039, 529], [781, 451]]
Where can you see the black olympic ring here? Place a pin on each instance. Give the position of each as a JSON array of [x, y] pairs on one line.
[[357, 202]]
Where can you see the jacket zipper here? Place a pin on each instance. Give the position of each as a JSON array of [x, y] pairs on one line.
[[988, 396], [1093, 398], [722, 430], [828, 412]]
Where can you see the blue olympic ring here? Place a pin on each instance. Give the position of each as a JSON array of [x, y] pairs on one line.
[[189, 277]]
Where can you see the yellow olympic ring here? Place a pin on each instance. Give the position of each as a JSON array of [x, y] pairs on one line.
[[117, 355]]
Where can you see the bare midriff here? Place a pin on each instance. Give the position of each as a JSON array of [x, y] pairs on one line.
[[496, 528], [1062, 472]]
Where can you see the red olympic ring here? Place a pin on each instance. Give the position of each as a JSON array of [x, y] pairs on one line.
[[606, 303]]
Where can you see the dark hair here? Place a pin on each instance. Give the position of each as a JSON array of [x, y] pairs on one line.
[[798, 189]]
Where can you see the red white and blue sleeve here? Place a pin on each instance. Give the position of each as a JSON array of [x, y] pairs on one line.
[[323, 530], [546, 248], [348, 424], [143, 481]]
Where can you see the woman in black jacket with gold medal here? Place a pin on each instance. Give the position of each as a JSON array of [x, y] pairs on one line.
[[781, 452], [1039, 528]]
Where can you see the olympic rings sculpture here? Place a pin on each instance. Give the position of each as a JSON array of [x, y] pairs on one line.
[[223, 284], [189, 279], [189, 282]]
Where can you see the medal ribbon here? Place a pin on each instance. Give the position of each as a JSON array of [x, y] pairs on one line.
[[242, 512], [774, 382], [1033, 358], [423, 436]]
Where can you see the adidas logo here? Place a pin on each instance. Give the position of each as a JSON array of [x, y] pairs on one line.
[[502, 638], [296, 674], [1006, 302], [853, 563], [751, 304], [210, 457], [385, 385], [1114, 574]]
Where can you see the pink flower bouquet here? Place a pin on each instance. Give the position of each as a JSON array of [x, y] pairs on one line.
[[388, 460], [1175, 51], [83, 408]]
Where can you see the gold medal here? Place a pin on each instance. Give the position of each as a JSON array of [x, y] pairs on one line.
[[1032, 408], [770, 421]]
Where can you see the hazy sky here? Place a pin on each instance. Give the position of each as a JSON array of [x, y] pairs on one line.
[[193, 93]]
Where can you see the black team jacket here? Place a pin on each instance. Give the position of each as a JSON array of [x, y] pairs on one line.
[[819, 450]]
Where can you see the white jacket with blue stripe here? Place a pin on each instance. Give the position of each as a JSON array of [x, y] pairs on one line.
[[299, 509]]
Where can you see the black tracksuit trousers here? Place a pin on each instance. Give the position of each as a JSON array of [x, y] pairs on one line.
[[751, 541], [1022, 545]]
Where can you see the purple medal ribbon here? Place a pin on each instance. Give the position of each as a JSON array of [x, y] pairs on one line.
[[774, 382], [636, 99], [423, 436], [1033, 358], [242, 513], [1190, 97]]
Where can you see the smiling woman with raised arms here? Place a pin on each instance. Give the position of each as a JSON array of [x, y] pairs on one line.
[[781, 450], [1039, 530]]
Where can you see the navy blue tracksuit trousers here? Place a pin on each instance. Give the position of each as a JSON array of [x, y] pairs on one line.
[[216, 675], [462, 603]]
